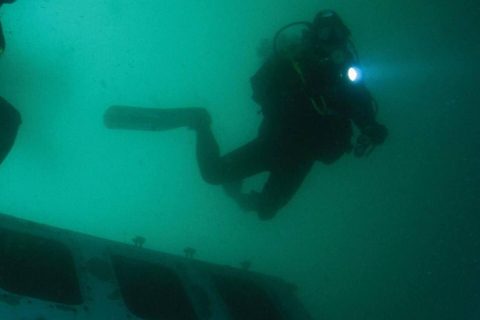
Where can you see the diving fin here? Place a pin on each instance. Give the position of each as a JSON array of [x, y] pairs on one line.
[[154, 119]]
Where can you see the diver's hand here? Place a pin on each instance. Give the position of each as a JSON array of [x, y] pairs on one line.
[[362, 146], [372, 136]]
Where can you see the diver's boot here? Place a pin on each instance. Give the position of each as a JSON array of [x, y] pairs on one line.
[[154, 119]]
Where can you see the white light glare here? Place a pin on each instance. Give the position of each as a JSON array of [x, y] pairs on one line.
[[353, 74]]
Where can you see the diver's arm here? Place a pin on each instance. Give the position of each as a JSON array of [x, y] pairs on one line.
[[363, 112], [361, 105]]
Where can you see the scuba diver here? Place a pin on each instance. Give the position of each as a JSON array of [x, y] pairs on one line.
[[308, 96], [10, 118]]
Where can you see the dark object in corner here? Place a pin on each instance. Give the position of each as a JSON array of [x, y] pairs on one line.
[[10, 121], [2, 38], [36, 267]]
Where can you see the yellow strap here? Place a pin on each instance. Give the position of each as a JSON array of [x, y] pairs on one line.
[[297, 68], [323, 109]]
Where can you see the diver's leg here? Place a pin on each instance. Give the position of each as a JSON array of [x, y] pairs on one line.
[[231, 169], [208, 155], [253, 158], [239, 164], [10, 121], [279, 189], [153, 119]]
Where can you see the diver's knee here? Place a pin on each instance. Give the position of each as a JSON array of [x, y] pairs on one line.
[[212, 177]]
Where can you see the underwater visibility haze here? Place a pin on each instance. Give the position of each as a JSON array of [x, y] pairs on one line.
[[394, 235]]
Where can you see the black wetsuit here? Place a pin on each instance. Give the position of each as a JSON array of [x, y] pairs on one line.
[[295, 131]]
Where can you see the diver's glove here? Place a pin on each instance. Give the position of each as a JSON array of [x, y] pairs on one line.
[[372, 136]]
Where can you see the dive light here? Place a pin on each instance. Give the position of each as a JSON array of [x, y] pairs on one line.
[[354, 74]]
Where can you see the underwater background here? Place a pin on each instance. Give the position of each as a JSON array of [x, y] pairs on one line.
[[392, 236]]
